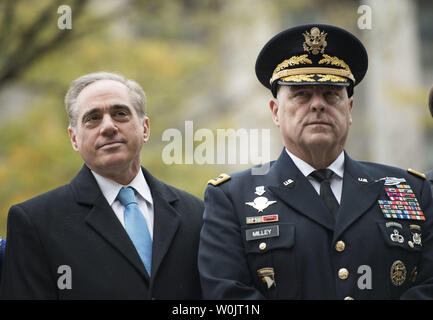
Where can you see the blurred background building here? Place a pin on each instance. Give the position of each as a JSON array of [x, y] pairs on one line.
[[195, 60]]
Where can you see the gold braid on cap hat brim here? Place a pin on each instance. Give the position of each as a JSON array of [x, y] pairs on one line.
[[279, 72], [312, 70]]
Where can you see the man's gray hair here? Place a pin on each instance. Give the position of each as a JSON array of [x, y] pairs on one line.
[[136, 93]]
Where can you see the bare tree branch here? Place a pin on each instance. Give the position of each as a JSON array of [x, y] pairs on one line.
[[28, 50]]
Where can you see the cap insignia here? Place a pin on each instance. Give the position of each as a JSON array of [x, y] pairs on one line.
[[315, 41]]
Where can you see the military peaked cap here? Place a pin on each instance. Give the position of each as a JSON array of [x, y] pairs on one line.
[[312, 54]]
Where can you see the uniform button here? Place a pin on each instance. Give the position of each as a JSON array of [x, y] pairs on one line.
[[343, 273], [340, 246], [262, 246], [348, 298]]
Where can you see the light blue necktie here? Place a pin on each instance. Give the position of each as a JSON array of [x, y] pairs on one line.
[[136, 226]]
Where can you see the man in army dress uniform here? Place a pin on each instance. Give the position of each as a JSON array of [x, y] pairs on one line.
[[317, 225]]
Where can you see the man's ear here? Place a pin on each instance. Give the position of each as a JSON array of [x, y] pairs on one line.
[[146, 128], [274, 106], [73, 138]]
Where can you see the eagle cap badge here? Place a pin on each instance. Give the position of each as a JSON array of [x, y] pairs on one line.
[[315, 41]]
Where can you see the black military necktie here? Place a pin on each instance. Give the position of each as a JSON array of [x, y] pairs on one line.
[[323, 176]]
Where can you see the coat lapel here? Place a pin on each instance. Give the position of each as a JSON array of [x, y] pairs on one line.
[[166, 220], [358, 196], [102, 219], [298, 194]]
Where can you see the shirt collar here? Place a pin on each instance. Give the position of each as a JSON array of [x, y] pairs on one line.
[[110, 189], [337, 166]]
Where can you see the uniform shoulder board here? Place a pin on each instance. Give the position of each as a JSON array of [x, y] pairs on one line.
[[221, 178], [416, 173]]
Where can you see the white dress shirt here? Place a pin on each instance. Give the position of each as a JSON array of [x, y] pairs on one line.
[[110, 189], [337, 179]]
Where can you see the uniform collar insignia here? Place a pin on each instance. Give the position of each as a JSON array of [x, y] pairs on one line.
[[287, 182]]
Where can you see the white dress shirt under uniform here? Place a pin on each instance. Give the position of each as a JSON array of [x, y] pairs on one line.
[[337, 179], [110, 189]]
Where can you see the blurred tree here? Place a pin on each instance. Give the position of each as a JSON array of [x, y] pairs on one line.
[[176, 50], [166, 46], [29, 30], [22, 42]]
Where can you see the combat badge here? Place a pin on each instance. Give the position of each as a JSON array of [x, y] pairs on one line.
[[393, 181], [220, 179], [267, 275], [398, 273]]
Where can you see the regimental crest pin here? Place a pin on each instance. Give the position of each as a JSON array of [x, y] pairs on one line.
[[260, 203], [260, 190]]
